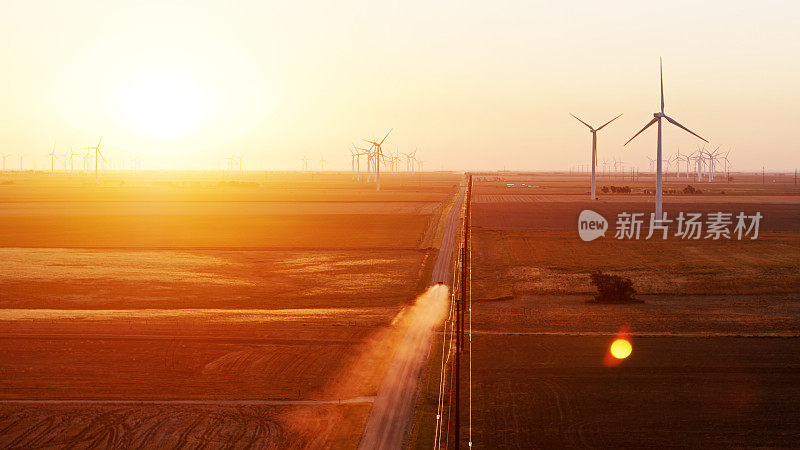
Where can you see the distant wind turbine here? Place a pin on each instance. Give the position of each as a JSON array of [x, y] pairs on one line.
[[97, 156], [378, 157], [52, 156], [657, 119], [594, 147]]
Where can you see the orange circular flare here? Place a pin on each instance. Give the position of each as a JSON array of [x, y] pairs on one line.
[[620, 348]]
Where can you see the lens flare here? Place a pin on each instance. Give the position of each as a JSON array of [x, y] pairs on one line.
[[621, 348]]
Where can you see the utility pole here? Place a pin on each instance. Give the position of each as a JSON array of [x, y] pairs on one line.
[[465, 268]]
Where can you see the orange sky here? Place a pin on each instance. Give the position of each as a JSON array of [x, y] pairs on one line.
[[473, 85]]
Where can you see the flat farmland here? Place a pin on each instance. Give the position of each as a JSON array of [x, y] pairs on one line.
[[530, 242], [555, 392], [191, 278], [214, 425], [715, 342], [253, 310]]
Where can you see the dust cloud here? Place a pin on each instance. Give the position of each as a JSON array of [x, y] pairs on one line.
[[391, 413]]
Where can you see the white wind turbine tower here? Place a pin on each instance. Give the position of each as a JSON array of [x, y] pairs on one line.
[[353, 157], [71, 157], [97, 156], [398, 160], [657, 119], [409, 159], [618, 166], [594, 146], [688, 159], [52, 156], [4, 155], [727, 165], [712, 159], [359, 153], [677, 159], [652, 162], [699, 161], [378, 156], [322, 163], [306, 160], [87, 159]]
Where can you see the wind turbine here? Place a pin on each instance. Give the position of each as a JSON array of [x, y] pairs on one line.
[[657, 119], [97, 153], [677, 159], [4, 155], [353, 162], [322, 163], [594, 147], [21, 155], [358, 152], [688, 159], [71, 155], [231, 161], [378, 157], [306, 160], [727, 165], [52, 156], [87, 158]]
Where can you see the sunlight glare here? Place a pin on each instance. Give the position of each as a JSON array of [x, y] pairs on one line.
[[163, 104], [621, 348]]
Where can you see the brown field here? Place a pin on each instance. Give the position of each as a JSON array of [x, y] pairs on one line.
[[554, 392], [715, 343], [193, 311]]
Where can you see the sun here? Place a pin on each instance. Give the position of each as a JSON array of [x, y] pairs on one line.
[[162, 104]]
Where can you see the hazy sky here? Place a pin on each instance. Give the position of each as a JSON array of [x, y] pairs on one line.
[[471, 84]]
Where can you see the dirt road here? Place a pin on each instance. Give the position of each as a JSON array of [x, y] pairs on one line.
[[387, 426], [442, 268]]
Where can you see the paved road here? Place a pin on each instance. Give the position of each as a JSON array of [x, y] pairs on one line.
[[389, 420]]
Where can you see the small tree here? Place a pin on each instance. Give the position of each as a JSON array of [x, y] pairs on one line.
[[613, 288]]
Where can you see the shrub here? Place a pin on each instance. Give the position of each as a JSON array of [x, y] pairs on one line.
[[613, 288]]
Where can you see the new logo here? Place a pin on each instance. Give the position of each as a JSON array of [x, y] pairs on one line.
[[591, 225]]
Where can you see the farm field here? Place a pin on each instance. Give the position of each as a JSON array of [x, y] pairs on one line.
[[715, 341], [555, 392], [256, 310]]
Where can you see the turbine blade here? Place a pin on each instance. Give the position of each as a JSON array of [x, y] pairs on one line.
[[640, 131], [615, 118], [579, 120], [387, 135], [672, 121], [661, 72]]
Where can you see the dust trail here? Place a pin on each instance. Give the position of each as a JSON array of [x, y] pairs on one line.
[[393, 407]]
